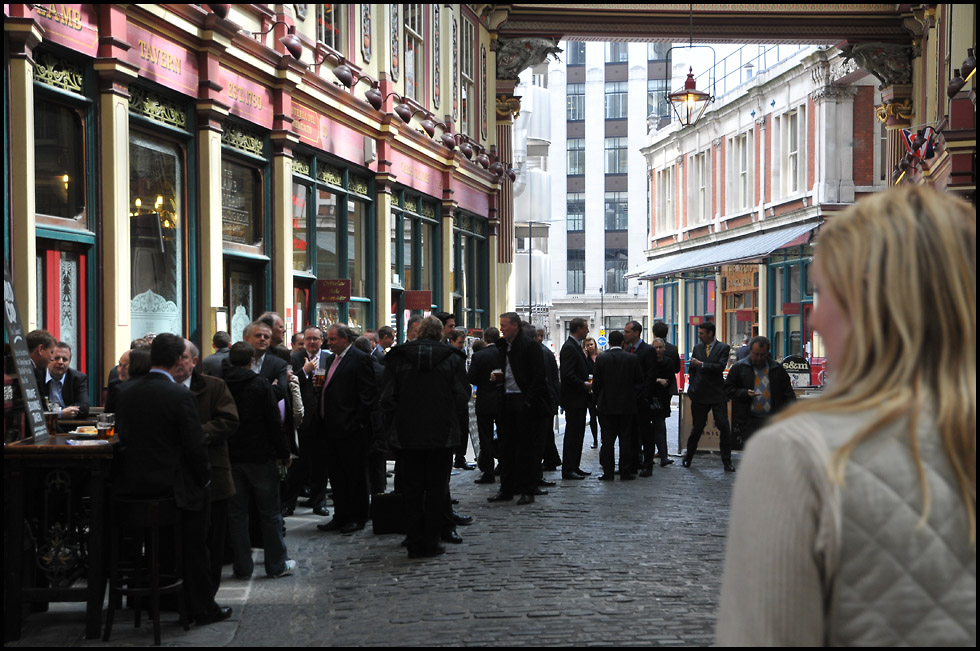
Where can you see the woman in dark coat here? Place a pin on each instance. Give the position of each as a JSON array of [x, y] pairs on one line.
[[425, 387], [591, 352], [662, 385]]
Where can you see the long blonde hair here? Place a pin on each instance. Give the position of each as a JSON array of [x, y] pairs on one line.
[[902, 264]]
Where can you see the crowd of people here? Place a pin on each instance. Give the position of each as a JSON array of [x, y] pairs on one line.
[[881, 466]]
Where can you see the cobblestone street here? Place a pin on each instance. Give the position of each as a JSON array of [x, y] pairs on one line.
[[592, 563]]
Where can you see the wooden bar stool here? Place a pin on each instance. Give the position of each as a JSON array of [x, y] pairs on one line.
[[135, 560]]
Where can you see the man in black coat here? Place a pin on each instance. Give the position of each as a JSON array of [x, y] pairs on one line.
[[66, 388], [549, 450], [642, 439], [758, 387], [708, 362], [617, 382], [310, 468], [524, 394], [574, 398], [165, 454], [487, 402], [347, 402]]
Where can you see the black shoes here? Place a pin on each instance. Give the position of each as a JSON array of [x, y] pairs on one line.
[[582, 472], [686, 462], [526, 498], [729, 467], [666, 462], [463, 520], [607, 477], [572, 475], [546, 484], [451, 537], [333, 525], [220, 614], [485, 478], [501, 497], [351, 527], [540, 491], [646, 472], [321, 511]]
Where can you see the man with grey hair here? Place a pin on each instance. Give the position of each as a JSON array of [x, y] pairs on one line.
[[347, 402]]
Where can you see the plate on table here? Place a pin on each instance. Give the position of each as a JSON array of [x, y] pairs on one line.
[[84, 434], [75, 441]]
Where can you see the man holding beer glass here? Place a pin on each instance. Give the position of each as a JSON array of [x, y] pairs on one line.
[[310, 469]]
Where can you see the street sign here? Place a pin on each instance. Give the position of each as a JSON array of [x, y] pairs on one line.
[[601, 341]]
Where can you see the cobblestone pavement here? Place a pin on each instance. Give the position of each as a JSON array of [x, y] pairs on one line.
[[592, 563]]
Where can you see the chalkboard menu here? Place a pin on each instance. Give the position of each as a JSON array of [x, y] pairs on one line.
[[33, 408]]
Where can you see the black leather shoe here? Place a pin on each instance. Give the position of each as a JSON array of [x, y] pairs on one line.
[[219, 615], [351, 527], [729, 467], [606, 477], [333, 525], [666, 462], [461, 519], [321, 511], [485, 478], [451, 537], [686, 462], [462, 464], [526, 498], [540, 491], [646, 472], [582, 472], [501, 497], [572, 475], [546, 484]]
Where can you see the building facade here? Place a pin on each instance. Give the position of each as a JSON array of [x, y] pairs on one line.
[[738, 196], [184, 168]]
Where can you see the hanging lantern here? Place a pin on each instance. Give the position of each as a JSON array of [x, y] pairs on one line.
[[689, 104]]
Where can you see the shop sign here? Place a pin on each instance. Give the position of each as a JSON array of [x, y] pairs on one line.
[[791, 308], [333, 290], [472, 199], [798, 369], [318, 130], [745, 316], [162, 60], [74, 26], [247, 99], [31, 395], [418, 299], [416, 175], [698, 319], [739, 277]]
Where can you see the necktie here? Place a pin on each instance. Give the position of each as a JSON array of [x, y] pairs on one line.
[[55, 393]]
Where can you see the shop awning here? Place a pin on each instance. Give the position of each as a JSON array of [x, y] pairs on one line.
[[742, 249]]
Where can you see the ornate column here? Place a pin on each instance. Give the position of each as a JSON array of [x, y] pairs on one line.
[[23, 34], [447, 221], [115, 75]]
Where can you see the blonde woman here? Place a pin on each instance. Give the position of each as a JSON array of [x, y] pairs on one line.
[[853, 520], [591, 349]]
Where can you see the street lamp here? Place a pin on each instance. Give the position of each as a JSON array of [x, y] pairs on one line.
[[689, 104]]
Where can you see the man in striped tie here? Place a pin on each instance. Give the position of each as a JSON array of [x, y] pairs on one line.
[[758, 387]]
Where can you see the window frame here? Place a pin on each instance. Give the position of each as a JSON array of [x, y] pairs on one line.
[[414, 22], [616, 100], [575, 157]]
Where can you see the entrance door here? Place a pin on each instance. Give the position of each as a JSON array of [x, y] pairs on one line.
[[243, 288], [62, 295]]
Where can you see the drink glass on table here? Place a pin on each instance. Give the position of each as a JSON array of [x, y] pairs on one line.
[[106, 425]]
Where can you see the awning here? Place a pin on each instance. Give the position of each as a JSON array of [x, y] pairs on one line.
[[735, 251]]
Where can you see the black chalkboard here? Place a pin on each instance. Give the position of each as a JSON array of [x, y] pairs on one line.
[[33, 408]]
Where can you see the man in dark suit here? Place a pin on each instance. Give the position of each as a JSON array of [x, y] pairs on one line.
[[708, 362], [267, 364], [574, 398], [524, 390], [641, 434], [310, 468], [487, 402], [221, 341], [66, 388], [165, 454], [617, 380], [347, 401], [550, 459]]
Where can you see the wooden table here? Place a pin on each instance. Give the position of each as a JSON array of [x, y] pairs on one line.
[[55, 507]]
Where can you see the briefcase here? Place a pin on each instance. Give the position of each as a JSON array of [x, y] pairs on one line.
[[388, 513]]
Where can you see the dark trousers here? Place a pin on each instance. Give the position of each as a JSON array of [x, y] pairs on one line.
[[424, 481], [550, 457], [621, 426], [517, 450], [347, 464], [659, 424], [486, 423], [574, 436], [699, 418], [643, 439], [594, 422], [198, 588], [217, 536], [377, 471]]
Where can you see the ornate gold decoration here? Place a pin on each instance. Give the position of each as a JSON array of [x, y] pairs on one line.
[[428, 210], [411, 205], [150, 105], [895, 111], [508, 107], [331, 175], [301, 166], [358, 184], [50, 70], [241, 139]]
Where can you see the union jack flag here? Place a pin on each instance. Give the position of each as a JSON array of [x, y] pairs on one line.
[[923, 150]]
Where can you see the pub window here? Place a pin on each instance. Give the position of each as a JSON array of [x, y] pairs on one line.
[[241, 203], [59, 162], [414, 51], [302, 251], [470, 282], [467, 73], [331, 26]]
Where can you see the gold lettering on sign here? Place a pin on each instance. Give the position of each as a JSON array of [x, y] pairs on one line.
[[245, 96], [159, 57], [61, 14], [415, 172]]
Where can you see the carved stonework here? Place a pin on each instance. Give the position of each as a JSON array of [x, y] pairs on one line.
[[366, 33], [508, 107], [436, 56], [331, 175], [301, 166], [889, 63], [514, 55], [152, 106], [455, 70], [50, 70], [242, 139], [834, 92], [395, 51], [483, 91], [895, 114]]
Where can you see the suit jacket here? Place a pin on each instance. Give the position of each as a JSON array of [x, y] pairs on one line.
[[708, 382], [211, 365], [527, 365], [311, 401], [647, 357], [618, 382], [350, 397], [487, 392], [219, 420], [574, 375], [552, 380], [275, 368], [741, 378], [74, 389], [164, 451]]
